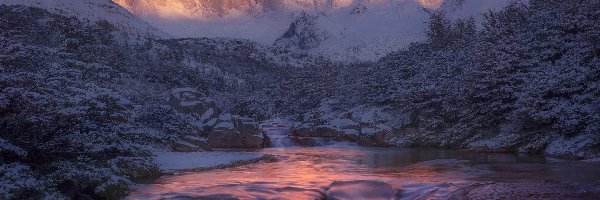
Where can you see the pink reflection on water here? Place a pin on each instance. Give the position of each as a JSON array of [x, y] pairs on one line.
[[306, 173]]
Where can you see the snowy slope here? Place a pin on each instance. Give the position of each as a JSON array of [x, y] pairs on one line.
[[348, 30], [93, 11]]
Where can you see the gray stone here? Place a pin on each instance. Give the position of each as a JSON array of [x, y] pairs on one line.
[[381, 138]]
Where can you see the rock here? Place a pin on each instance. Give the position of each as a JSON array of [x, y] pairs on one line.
[[183, 146], [231, 138], [189, 100], [237, 133], [325, 131], [302, 132], [304, 142], [361, 190], [376, 138], [401, 142], [320, 131], [266, 141]]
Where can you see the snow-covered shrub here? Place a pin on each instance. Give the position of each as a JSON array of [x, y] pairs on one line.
[[17, 181], [134, 167]]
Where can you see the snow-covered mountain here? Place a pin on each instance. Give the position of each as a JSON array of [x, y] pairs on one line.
[[345, 30], [94, 11]]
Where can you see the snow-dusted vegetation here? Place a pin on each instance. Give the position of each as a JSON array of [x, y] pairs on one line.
[[84, 109], [85, 106], [524, 80]]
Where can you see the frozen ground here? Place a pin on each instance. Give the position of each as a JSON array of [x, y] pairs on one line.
[[177, 161]]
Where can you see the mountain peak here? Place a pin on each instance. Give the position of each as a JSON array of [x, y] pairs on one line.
[[93, 11]]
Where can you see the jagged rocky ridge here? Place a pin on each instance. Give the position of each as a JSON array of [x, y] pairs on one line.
[[344, 31]]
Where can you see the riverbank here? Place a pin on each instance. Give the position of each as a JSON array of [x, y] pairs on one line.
[[177, 162], [400, 173]]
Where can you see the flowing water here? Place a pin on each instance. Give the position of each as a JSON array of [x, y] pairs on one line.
[[370, 173], [280, 138]]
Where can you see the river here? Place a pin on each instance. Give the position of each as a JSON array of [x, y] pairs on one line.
[[352, 172]]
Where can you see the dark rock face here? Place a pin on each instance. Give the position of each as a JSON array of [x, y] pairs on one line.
[[380, 138], [321, 131], [341, 190], [230, 138], [237, 133], [224, 130], [304, 142], [189, 100], [303, 34]]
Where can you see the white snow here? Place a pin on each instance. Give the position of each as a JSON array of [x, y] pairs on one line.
[[196, 138], [227, 125], [209, 112], [176, 161], [225, 117], [189, 103], [94, 11], [211, 122], [385, 25]]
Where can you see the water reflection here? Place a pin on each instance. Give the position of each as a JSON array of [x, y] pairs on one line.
[[306, 173]]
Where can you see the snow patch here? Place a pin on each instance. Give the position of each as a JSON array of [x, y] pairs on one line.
[[226, 125], [207, 114], [176, 161]]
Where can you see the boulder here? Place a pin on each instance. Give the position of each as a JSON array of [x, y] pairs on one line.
[[325, 131], [319, 131], [237, 133], [376, 138], [361, 190], [189, 100], [302, 132], [351, 135]]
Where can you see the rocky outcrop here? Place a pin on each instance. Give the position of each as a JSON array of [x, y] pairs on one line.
[[189, 100], [222, 130], [378, 138], [302, 34], [237, 132]]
